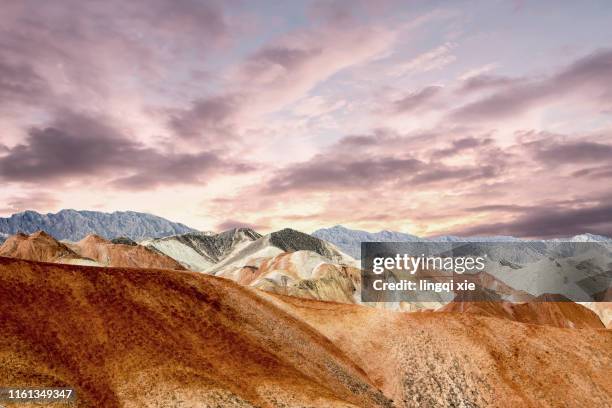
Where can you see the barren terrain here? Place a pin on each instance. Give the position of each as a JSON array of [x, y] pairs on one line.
[[162, 338]]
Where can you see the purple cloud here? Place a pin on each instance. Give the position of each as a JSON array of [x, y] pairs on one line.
[[573, 152], [601, 172], [323, 173], [487, 82], [76, 146], [589, 76], [499, 208], [32, 201], [546, 221], [207, 119], [231, 224], [377, 160], [465, 143], [20, 82], [417, 100], [287, 58], [440, 173]]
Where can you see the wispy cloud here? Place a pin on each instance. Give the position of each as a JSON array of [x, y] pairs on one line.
[[379, 115], [585, 79], [431, 60]]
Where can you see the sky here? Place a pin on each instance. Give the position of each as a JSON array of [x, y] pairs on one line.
[[426, 117]]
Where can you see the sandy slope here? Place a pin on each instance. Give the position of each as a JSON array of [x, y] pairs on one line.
[[122, 255], [301, 273], [127, 337], [40, 246], [550, 310], [603, 310], [465, 360], [91, 250]]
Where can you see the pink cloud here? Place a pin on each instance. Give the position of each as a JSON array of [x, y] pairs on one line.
[[77, 147], [290, 66], [383, 181], [586, 78]]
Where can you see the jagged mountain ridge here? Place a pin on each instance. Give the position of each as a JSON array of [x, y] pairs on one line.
[[349, 240], [275, 243], [74, 225], [290, 240], [200, 251], [236, 247]]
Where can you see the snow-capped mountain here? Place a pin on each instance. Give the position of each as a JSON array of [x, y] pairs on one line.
[[74, 225]]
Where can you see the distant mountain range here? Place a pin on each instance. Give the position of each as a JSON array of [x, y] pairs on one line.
[[205, 249], [74, 225], [349, 240]]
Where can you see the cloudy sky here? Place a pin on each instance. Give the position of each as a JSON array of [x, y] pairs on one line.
[[476, 117]]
